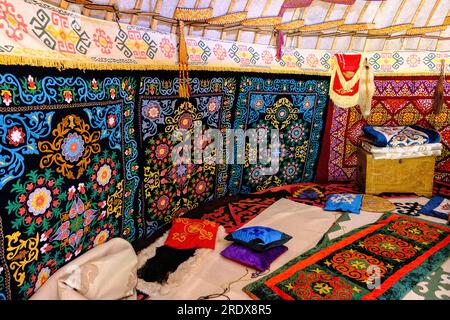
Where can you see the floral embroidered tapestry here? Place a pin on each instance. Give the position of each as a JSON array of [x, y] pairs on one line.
[[171, 189], [68, 171], [293, 106]]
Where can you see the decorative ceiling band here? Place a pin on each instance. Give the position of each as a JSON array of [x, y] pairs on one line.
[[262, 22], [292, 25], [229, 18], [423, 30], [391, 29], [191, 14], [322, 26], [356, 27]]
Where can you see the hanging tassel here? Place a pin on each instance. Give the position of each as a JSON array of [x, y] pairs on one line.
[[438, 102], [184, 90], [367, 90], [280, 43]]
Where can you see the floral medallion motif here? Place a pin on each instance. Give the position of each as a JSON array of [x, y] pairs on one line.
[[72, 147], [297, 133], [167, 48], [184, 117], [281, 113], [12, 23], [160, 151], [414, 230], [16, 136], [355, 265], [318, 286], [104, 174], [389, 247], [160, 204], [103, 41], [37, 200]]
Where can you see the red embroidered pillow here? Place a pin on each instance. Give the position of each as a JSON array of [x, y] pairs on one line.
[[192, 233]]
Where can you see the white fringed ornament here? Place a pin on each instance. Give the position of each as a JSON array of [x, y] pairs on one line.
[[366, 89]]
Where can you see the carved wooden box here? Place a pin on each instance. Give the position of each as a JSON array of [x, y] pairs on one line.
[[414, 175]]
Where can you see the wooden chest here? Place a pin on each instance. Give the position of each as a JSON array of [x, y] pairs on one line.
[[414, 175]]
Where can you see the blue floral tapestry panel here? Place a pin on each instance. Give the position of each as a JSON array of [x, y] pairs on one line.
[[171, 189], [68, 171], [293, 107]]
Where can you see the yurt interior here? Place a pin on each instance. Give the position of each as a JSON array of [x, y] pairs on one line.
[[224, 150]]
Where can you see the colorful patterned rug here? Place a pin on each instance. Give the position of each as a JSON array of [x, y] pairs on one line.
[[169, 189], [435, 286], [68, 171], [296, 108], [328, 188], [397, 101], [233, 212], [383, 260]]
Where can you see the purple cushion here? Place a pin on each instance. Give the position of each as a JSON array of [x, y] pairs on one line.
[[259, 260]]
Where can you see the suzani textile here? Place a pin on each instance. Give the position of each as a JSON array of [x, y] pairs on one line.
[[296, 109], [399, 250], [68, 172], [397, 102], [170, 189]]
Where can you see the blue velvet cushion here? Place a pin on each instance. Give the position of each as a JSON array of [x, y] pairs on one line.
[[400, 136], [258, 238], [347, 202], [437, 207]]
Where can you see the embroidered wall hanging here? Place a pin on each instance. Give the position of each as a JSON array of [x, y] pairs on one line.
[[296, 108], [170, 189], [345, 74], [397, 102], [68, 171], [403, 250]]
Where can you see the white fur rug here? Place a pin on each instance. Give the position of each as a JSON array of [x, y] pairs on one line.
[[208, 273], [157, 290]]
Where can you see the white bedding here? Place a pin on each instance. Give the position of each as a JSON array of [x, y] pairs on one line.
[[431, 149], [211, 274]]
